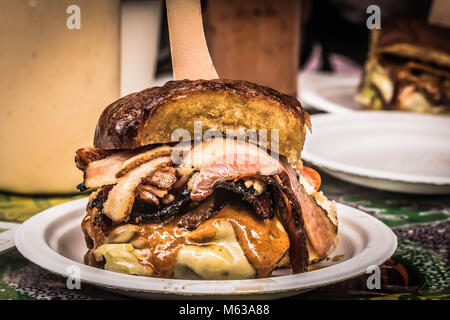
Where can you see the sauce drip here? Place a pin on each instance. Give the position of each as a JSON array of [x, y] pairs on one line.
[[264, 241]]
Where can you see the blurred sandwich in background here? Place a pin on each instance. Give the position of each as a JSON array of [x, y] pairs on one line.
[[408, 68]]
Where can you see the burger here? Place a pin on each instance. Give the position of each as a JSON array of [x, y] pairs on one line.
[[408, 68], [203, 180]]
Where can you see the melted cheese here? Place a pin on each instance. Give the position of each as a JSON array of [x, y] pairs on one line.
[[122, 258], [220, 258], [235, 244]]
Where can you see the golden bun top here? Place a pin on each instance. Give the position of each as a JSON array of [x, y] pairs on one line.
[[152, 115]]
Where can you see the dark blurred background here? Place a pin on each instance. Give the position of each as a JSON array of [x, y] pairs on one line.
[[332, 32]]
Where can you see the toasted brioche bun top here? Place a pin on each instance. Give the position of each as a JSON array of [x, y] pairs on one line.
[[151, 115]]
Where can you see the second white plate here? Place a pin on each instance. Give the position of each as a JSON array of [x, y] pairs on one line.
[[385, 150], [329, 92]]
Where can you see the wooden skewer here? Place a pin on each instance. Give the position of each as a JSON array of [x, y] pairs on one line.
[[440, 13], [190, 55]]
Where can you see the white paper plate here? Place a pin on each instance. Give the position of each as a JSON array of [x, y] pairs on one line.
[[329, 92], [385, 150], [53, 240]]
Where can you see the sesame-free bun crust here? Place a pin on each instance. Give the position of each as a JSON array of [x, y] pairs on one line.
[[151, 115]]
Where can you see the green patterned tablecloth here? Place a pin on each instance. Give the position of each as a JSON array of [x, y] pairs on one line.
[[419, 269]]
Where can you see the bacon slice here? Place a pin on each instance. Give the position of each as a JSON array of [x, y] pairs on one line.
[[101, 172], [227, 152], [220, 160], [121, 197], [321, 231], [319, 228], [84, 156], [103, 167], [293, 224], [143, 157]]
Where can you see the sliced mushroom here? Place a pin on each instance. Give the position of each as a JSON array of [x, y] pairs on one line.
[[163, 179], [157, 192], [168, 198], [147, 196]]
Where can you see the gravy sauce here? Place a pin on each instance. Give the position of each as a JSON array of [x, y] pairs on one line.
[[264, 242]]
